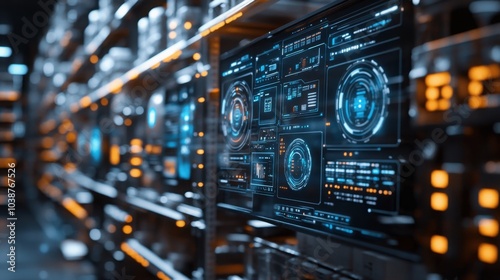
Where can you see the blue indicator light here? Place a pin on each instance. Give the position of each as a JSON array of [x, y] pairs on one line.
[[95, 145], [152, 117]]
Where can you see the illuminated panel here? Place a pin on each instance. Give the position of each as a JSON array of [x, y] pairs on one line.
[[364, 111], [483, 82], [312, 121], [267, 66], [263, 172], [439, 244], [264, 104], [300, 98], [488, 227], [439, 201], [114, 155], [439, 179], [487, 253], [372, 185], [488, 198]]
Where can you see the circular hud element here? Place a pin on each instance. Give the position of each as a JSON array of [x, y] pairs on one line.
[[298, 164], [236, 115], [361, 102]]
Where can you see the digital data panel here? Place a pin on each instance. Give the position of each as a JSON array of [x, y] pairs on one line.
[[314, 118]]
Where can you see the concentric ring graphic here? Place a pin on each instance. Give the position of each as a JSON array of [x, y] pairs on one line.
[[236, 115], [298, 164], [361, 101]]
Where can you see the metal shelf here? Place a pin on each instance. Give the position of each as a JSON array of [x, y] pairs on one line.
[[147, 258], [183, 50]]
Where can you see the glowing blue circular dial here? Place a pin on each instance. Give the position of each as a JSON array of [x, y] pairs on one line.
[[298, 164], [362, 97], [236, 115]]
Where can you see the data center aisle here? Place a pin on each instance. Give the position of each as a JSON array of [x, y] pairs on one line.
[[37, 257]]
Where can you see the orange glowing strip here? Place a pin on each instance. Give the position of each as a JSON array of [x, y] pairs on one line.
[[177, 54], [136, 141], [135, 173], [162, 276], [115, 86], [438, 79], [204, 33], [479, 73], [132, 74], [135, 161], [9, 95], [217, 26], [48, 156], [74, 208], [156, 65], [4, 162], [134, 255], [47, 126], [114, 155], [85, 101], [234, 17]]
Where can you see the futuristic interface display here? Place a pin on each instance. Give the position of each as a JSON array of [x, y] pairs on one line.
[[236, 112], [313, 122]]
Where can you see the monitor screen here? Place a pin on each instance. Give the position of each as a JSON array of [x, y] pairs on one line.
[[314, 118]]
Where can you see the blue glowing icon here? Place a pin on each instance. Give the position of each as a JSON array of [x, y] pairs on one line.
[[152, 117], [95, 145], [186, 132]]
